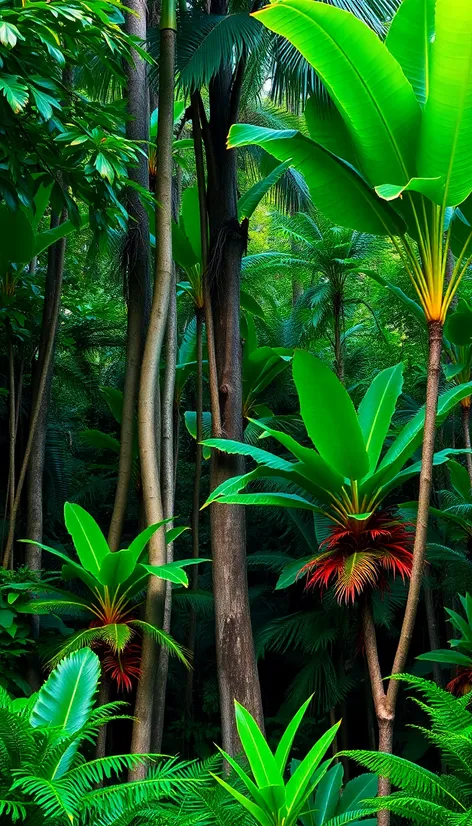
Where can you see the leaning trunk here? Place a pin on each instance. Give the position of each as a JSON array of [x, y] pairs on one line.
[[236, 662], [465, 408], [147, 411], [385, 702], [137, 268]]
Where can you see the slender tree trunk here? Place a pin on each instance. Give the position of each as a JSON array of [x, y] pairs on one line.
[[195, 521], [50, 321], [38, 420], [465, 410], [433, 635], [338, 347], [152, 494], [137, 268], [168, 474], [236, 662], [12, 428], [385, 701]]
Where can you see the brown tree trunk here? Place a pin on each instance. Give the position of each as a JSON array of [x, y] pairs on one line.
[[147, 408], [385, 701], [168, 474], [465, 409], [50, 321], [236, 662], [137, 268]]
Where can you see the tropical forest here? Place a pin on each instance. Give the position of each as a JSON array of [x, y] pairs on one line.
[[235, 412]]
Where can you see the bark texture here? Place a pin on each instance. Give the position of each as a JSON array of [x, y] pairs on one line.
[[236, 662], [147, 409]]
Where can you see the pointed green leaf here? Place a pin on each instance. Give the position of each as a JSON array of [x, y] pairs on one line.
[[251, 199], [261, 760], [89, 542], [139, 543], [444, 150], [327, 794], [377, 408], [116, 568], [257, 813], [304, 777], [329, 416], [409, 40], [357, 790], [460, 479], [286, 741]]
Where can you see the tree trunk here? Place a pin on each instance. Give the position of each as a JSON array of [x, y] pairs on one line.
[[50, 321], [137, 268], [168, 474], [195, 521], [465, 409], [385, 702], [338, 347], [40, 402], [433, 635], [236, 662], [152, 495]]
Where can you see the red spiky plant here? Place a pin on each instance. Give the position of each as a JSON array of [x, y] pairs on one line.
[[360, 554]]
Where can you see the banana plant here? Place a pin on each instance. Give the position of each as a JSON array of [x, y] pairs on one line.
[[390, 156], [114, 583], [346, 478], [460, 651], [271, 801]]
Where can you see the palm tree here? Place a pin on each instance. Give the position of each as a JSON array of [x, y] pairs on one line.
[[330, 256]]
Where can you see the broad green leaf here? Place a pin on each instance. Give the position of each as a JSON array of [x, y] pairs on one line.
[[190, 220], [377, 408], [15, 92], [66, 698], [326, 127], [291, 572], [114, 400], [460, 479], [446, 657], [444, 150], [89, 542], [277, 500], [286, 741], [173, 533], [251, 199], [48, 237], [458, 327], [357, 790], [16, 237], [303, 777], [100, 440], [249, 303], [325, 479], [261, 760], [409, 40], [9, 34], [116, 568], [329, 416], [182, 249], [425, 186], [327, 794], [335, 186], [172, 571], [373, 96], [73, 568], [139, 543]]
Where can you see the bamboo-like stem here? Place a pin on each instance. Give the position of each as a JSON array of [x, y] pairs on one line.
[[152, 493]]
